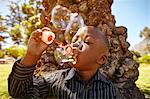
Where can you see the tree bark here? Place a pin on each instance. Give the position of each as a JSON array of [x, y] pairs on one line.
[[120, 67]]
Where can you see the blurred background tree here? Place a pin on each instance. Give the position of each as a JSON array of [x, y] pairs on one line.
[[24, 17], [141, 50], [146, 34], [143, 47], [2, 26], [2, 29], [15, 51]]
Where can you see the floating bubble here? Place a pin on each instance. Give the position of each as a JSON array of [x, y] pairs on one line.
[[76, 22], [63, 19], [60, 17]]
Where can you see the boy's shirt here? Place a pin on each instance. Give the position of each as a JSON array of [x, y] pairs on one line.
[[62, 84]]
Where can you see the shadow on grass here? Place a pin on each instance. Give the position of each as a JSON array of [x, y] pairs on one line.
[[4, 95], [146, 92]]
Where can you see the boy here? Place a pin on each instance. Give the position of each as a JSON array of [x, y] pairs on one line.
[[82, 81]]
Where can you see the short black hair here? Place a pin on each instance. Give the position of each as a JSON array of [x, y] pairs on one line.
[[102, 36]]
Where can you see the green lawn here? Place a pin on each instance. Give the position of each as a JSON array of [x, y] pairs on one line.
[[143, 82], [4, 72]]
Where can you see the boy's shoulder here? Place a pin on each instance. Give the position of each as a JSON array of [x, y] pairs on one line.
[[55, 75]]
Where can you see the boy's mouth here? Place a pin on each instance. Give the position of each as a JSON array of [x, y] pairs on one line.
[[75, 53]]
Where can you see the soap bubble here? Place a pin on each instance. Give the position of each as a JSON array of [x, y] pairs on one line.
[[63, 19], [60, 17], [76, 22]]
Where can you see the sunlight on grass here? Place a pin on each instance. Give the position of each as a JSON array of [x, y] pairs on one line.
[[143, 81], [4, 72]]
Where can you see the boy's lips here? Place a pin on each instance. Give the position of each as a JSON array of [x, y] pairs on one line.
[[75, 53]]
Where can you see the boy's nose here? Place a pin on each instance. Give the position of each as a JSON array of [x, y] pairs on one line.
[[79, 45], [75, 44]]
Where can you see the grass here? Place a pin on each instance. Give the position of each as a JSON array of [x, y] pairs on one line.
[[143, 82], [4, 72]]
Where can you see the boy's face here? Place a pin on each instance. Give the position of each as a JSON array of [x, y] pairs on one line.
[[90, 48]]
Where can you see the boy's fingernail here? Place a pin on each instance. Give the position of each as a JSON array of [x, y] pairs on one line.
[[46, 28], [39, 30]]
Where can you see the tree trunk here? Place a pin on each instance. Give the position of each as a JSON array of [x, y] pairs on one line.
[[120, 67]]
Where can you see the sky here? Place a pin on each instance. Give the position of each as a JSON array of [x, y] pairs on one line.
[[133, 14]]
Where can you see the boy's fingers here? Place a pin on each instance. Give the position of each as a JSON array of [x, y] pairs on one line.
[[38, 30], [46, 28], [37, 34]]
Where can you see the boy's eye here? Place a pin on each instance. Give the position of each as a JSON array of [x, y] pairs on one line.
[[87, 42]]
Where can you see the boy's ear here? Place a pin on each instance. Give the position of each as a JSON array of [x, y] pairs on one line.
[[102, 59]]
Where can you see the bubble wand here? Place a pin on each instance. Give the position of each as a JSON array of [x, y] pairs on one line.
[[64, 50]]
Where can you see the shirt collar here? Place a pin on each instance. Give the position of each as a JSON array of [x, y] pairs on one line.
[[97, 77], [70, 75]]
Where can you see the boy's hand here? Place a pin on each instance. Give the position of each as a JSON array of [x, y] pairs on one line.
[[35, 48], [35, 44]]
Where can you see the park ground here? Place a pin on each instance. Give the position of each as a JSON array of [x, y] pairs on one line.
[[143, 82]]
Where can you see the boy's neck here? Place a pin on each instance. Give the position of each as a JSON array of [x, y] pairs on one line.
[[87, 74]]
